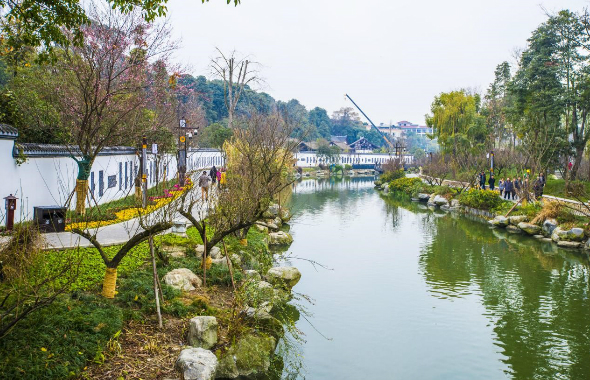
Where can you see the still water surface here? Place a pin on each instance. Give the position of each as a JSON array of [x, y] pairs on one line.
[[420, 295]]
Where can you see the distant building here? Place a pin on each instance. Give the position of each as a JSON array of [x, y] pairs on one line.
[[340, 142], [402, 128], [363, 145]]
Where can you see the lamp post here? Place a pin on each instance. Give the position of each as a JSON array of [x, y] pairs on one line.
[[10, 204], [492, 162], [181, 152]]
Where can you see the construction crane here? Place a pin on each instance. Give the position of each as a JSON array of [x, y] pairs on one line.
[[374, 126]]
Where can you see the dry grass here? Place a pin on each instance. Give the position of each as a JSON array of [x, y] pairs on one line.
[[550, 210]]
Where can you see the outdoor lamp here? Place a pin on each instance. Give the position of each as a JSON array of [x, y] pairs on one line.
[[10, 205]]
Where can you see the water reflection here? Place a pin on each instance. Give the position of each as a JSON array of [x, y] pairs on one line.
[[535, 295], [422, 295]]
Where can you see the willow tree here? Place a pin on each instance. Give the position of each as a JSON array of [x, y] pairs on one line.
[[102, 85], [456, 122]]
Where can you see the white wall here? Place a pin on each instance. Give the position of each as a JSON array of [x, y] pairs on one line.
[[309, 159], [49, 181]]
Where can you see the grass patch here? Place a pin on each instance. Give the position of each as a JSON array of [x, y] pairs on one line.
[[556, 187], [58, 341]]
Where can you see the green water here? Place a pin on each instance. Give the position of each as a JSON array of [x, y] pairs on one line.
[[421, 295]]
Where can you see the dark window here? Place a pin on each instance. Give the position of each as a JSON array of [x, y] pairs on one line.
[[120, 176], [100, 183], [92, 182], [126, 176]]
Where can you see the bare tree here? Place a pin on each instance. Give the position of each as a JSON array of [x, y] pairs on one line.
[[236, 73], [259, 161]]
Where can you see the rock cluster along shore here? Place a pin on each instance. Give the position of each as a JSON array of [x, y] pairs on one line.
[[250, 356], [549, 231]]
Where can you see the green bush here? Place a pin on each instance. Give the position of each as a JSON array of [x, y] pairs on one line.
[[347, 167], [404, 184], [391, 176], [481, 199], [60, 339]]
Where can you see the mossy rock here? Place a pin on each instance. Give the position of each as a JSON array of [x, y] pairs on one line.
[[249, 358]]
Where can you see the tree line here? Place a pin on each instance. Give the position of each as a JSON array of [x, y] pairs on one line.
[[537, 108]]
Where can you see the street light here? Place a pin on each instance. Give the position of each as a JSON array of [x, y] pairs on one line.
[[182, 152]]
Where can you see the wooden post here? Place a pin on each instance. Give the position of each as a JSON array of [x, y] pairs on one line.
[[156, 294]]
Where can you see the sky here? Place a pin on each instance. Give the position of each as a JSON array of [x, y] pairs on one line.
[[391, 57]]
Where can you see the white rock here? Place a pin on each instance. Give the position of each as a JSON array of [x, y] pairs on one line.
[[284, 276], [215, 252], [203, 332], [279, 238], [182, 279], [196, 364]]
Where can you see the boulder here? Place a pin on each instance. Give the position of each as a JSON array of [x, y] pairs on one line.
[[182, 279], [286, 277], [558, 234], [278, 221], [279, 238], [251, 274], [175, 251], [221, 262], [215, 252], [274, 209], [423, 197], [548, 226], [517, 219], [569, 244], [248, 358], [455, 203], [531, 229], [513, 229], [261, 228], [439, 200], [202, 332], [576, 234], [284, 214], [587, 245], [386, 190], [196, 364], [539, 237], [500, 221]]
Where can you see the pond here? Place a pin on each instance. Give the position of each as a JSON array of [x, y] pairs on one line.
[[416, 294]]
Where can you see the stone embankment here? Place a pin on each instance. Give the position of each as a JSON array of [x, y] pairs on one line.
[[548, 231], [250, 356]]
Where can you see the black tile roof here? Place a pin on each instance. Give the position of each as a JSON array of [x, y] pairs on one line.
[[8, 132], [52, 150]]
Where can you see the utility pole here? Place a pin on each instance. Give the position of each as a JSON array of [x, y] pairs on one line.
[[144, 171]]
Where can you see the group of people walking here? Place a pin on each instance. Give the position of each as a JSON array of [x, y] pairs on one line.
[[206, 180], [510, 188]]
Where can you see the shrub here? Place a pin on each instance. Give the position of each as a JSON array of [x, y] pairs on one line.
[[392, 175], [347, 167], [404, 184], [481, 199]]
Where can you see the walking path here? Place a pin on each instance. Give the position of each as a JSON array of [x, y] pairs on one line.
[[115, 234]]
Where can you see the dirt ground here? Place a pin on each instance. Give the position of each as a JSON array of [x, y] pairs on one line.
[[143, 351]]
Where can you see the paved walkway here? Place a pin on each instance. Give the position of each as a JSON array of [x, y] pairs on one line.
[[115, 234]]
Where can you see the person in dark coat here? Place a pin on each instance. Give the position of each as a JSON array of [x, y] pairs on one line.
[[492, 182], [508, 188], [213, 174], [482, 180]]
